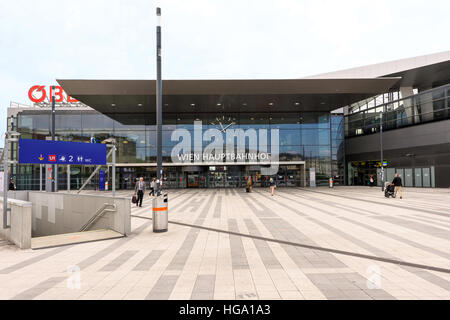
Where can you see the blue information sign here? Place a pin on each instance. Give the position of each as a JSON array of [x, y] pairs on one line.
[[101, 180], [61, 152]]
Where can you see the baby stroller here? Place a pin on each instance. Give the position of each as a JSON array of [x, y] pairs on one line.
[[388, 190]]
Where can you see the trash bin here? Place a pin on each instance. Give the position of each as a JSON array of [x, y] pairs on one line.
[[331, 182], [160, 213]]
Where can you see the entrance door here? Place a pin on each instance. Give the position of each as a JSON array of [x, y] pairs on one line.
[[426, 181], [401, 174], [390, 173], [418, 177], [256, 178], [219, 179], [192, 180], [408, 178]]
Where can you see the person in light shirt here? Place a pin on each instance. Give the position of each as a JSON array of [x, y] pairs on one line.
[[139, 190]]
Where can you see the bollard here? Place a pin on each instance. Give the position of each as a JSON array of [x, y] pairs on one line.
[[160, 213], [331, 182]]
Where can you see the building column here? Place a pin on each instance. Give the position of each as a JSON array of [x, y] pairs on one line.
[[426, 108], [408, 103]]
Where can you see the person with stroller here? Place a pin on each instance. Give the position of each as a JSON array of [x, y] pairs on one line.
[[398, 187]]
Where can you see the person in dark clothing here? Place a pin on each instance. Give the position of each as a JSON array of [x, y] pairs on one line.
[[398, 187], [12, 186], [139, 190]]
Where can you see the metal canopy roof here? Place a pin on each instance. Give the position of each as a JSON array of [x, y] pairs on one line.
[[425, 77], [423, 72], [191, 96]]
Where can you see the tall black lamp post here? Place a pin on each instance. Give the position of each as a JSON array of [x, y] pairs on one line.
[[53, 137], [381, 151], [158, 105]]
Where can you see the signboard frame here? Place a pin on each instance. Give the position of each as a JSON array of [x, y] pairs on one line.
[[31, 151]]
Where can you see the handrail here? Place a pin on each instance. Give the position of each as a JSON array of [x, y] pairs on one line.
[[415, 96], [97, 215], [93, 173]]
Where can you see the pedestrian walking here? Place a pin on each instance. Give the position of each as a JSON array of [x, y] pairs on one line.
[[398, 187], [139, 190], [371, 181], [152, 187], [271, 186], [12, 185]]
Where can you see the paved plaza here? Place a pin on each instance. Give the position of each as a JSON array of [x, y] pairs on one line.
[[321, 243]]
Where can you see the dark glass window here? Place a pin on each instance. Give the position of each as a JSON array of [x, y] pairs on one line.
[[290, 137], [129, 122], [285, 121], [96, 122], [312, 120], [254, 120], [186, 120], [34, 122], [68, 121], [290, 153], [166, 139], [316, 136]]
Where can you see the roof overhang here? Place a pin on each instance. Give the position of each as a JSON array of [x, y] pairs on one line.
[[423, 72], [181, 96], [425, 77]]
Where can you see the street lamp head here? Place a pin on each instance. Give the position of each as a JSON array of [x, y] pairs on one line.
[[158, 14]]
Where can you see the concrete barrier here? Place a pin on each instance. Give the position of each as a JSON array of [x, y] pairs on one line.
[[18, 195], [58, 213], [19, 221]]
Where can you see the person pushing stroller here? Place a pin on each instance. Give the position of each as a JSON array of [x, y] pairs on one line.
[[391, 189]]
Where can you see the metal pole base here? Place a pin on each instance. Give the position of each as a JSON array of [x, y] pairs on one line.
[[160, 213]]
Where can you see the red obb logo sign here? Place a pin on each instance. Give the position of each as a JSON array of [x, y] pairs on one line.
[[38, 94]]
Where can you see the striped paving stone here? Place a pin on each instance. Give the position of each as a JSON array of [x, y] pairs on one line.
[[229, 244]]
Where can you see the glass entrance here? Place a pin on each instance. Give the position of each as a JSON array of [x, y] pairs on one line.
[[256, 178], [408, 177], [192, 180], [426, 181], [418, 177], [217, 179]]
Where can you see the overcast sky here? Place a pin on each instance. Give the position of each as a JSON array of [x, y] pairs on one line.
[[41, 41]]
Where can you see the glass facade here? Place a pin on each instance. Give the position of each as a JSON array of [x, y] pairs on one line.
[[417, 164], [313, 137], [428, 106], [360, 172]]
